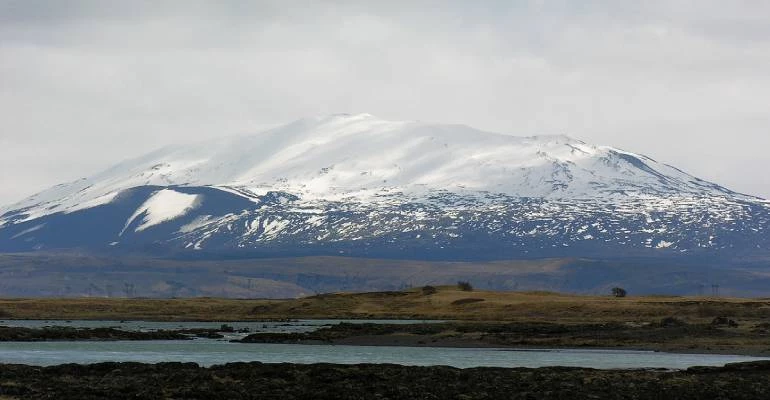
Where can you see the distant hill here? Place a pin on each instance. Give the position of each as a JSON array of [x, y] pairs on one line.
[[72, 275], [362, 187]]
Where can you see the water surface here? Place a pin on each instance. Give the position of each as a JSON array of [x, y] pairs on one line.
[[300, 325], [208, 352]]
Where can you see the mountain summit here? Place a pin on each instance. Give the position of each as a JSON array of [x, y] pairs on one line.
[[360, 185]]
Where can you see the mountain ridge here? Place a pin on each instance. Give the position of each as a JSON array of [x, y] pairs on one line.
[[178, 165], [359, 185]]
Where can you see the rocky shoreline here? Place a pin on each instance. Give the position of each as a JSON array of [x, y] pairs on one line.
[[66, 333], [383, 381], [669, 334]]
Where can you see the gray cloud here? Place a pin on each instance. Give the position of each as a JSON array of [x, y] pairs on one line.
[[84, 84]]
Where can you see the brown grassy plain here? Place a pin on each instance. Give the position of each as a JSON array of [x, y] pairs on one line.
[[447, 303]]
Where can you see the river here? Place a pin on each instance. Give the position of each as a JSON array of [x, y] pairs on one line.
[[208, 352]]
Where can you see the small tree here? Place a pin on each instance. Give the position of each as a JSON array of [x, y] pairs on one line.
[[465, 286], [619, 292]]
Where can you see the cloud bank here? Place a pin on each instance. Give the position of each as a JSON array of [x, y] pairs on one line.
[[85, 84]]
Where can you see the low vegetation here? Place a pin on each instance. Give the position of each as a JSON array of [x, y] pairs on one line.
[[619, 292], [465, 286], [443, 302]]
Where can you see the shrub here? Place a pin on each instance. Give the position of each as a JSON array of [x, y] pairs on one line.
[[428, 290], [465, 286], [619, 292]]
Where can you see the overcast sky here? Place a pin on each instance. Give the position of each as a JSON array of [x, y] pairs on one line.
[[84, 84]]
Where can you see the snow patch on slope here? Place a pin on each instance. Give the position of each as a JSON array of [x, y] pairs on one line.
[[26, 231], [98, 201], [164, 205]]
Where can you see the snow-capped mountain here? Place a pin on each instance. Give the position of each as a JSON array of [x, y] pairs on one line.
[[359, 185]]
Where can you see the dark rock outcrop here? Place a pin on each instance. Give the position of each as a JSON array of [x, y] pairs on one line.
[[384, 381]]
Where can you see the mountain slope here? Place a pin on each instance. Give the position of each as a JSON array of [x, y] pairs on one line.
[[360, 185]]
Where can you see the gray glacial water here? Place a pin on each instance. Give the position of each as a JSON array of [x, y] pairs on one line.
[[212, 351]]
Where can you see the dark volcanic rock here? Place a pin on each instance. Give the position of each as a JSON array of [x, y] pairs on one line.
[[18, 334], [670, 334], [384, 381]]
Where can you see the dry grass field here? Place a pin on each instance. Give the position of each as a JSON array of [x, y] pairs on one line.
[[448, 302]]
